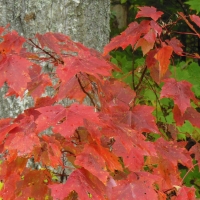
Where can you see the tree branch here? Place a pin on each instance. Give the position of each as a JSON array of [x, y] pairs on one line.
[[141, 78]]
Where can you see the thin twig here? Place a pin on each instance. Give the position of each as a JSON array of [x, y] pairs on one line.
[[184, 33], [79, 138], [83, 89], [156, 98], [162, 109], [141, 78], [133, 75], [46, 52], [188, 173]]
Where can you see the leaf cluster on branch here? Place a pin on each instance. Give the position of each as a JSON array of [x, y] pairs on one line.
[[116, 145]]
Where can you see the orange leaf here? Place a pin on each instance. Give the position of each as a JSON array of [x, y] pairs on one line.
[[163, 57], [145, 45]]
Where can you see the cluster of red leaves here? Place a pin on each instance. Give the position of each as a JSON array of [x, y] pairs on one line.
[[105, 142]]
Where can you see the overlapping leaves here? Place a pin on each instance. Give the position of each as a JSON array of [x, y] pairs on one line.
[[107, 142]]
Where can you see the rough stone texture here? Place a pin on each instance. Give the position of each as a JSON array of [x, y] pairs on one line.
[[86, 21]]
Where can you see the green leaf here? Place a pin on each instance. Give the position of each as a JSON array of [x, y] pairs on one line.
[[192, 179], [194, 4], [196, 134], [193, 71], [123, 1], [170, 118], [149, 95], [139, 62], [186, 128], [167, 103], [180, 72], [181, 136], [189, 130], [114, 61]]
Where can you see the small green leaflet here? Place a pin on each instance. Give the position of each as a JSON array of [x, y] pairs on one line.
[[194, 4], [123, 1]]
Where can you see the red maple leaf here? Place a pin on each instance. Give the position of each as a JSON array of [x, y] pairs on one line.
[[129, 37], [146, 11], [143, 120], [163, 56], [172, 153], [134, 160], [150, 59], [88, 62], [50, 41], [72, 89], [5, 127], [75, 117], [23, 148], [11, 167], [178, 117], [11, 42], [195, 19], [116, 96], [191, 114], [166, 170], [156, 28], [150, 36], [123, 142], [93, 161], [79, 58], [136, 186], [186, 193], [196, 151], [176, 45], [61, 44], [155, 74], [10, 175], [180, 92], [84, 183], [14, 71], [33, 185], [44, 101], [102, 147], [24, 132], [50, 116], [38, 81], [9, 186], [145, 45], [111, 159], [49, 153]]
